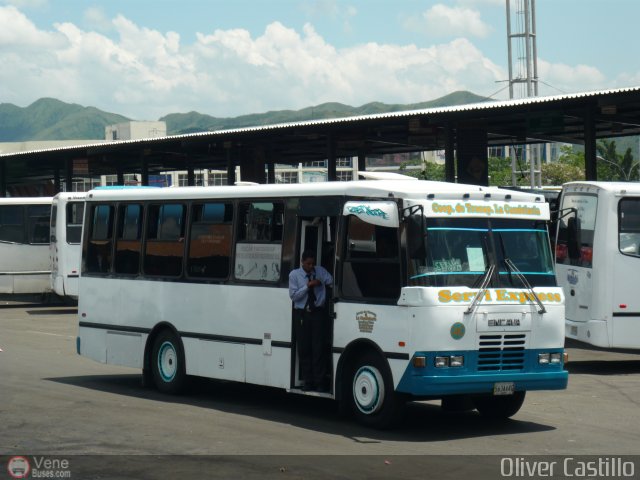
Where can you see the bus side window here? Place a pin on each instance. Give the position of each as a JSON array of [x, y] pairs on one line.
[[75, 213], [371, 268], [100, 237], [128, 239], [164, 249], [629, 226], [258, 252], [210, 240], [12, 224], [38, 223]]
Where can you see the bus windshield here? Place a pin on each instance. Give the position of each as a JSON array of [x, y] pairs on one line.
[[459, 252]]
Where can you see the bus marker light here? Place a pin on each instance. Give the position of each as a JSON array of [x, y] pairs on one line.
[[565, 357], [401, 344], [623, 305], [419, 362]]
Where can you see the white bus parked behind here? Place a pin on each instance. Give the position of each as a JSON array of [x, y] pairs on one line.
[[64, 250], [24, 245], [598, 262]]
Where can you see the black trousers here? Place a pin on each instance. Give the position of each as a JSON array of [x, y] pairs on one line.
[[310, 339]]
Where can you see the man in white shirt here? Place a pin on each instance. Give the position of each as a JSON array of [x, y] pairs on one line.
[[307, 290]]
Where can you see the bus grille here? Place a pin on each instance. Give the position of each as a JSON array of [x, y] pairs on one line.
[[501, 352]]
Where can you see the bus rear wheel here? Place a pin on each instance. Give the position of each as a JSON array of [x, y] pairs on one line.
[[370, 394], [167, 363], [499, 407]]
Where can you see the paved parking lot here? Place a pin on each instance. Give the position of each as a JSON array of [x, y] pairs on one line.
[[53, 402]]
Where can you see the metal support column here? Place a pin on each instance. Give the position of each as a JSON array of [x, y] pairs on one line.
[[590, 169], [57, 184], [68, 175], [3, 179], [332, 171], [191, 176], [144, 171], [449, 157], [231, 168]]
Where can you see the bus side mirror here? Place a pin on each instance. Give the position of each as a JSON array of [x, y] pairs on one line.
[[415, 236], [573, 237]]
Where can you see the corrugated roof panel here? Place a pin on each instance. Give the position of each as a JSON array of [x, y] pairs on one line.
[[332, 121]]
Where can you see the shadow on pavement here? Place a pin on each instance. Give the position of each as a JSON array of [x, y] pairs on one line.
[[421, 421]]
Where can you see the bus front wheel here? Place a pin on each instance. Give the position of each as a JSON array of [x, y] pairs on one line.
[[167, 363], [370, 392], [499, 407]]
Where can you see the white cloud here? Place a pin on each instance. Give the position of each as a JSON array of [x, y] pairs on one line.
[[559, 77], [144, 74], [97, 19], [441, 20], [20, 34]]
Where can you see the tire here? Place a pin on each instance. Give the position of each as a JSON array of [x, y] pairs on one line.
[[167, 363], [368, 389], [499, 407]]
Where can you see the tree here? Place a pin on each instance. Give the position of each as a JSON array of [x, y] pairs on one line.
[[613, 166]]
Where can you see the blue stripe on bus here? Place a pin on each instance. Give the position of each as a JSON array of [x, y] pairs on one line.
[[486, 229], [518, 230], [436, 382], [431, 274]]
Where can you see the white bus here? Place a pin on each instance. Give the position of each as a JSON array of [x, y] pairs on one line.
[[24, 245], [441, 291], [598, 262], [67, 213]]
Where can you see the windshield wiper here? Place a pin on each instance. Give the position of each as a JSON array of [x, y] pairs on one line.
[[511, 266], [486, 278]]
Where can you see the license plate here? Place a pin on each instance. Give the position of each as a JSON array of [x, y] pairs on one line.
[[504, 388]]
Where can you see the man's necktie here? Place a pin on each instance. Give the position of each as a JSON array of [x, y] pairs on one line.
[[311, 296]]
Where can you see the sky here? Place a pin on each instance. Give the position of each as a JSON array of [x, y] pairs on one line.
[[145, 59]]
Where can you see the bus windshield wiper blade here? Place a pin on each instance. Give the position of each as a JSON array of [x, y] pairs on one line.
[[483, 288], [512, 267]]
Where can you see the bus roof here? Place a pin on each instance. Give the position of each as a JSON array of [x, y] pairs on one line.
[[420, 189], [26, 200], [70, 196], [611, 187]]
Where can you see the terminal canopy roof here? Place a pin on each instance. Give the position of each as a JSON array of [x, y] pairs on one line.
[[579, 118]]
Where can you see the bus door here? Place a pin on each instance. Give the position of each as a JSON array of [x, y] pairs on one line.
[[315, 235]]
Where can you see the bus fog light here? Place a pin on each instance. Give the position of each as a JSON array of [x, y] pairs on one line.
[[442, 362], [419, 362], [543, 358], [456, 361], [556, 358]]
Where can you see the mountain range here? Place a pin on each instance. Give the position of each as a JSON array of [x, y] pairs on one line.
[[52, 119]]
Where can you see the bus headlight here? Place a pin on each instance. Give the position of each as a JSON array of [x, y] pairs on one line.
[[554, 358], [442, 362], [456, 361], [450, 361]]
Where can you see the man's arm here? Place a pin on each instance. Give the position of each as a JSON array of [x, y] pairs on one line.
[[297, 288]]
